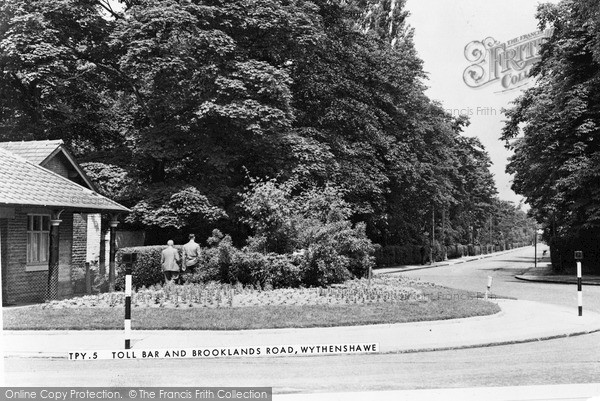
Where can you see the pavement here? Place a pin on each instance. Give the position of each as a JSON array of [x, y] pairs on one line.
[[543, 274], [518, 321]]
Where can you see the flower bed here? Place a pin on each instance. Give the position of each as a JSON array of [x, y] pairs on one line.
[[217, 295]]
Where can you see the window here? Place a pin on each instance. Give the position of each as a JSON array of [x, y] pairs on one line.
[[38, 239]]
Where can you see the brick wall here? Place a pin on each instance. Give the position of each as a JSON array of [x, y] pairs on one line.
[[3, 256], [24, 286], [79, 256]]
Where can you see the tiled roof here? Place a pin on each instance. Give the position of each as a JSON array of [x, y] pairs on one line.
[[34, 151], [23, 182]]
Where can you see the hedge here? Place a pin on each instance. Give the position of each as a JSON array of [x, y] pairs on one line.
[[222, 263], [146, 271], [402, 255]]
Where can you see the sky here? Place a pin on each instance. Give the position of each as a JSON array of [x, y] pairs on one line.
[[442, 31]]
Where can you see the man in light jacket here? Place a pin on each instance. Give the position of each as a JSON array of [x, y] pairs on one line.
[[169, 259]]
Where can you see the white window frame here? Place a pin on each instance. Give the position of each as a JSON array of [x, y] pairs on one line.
[[34, 266]]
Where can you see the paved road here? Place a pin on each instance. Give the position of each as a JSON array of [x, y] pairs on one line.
[[561, 361], [503, 268]]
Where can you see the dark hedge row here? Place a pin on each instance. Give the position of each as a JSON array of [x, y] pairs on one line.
[[401, 255], [224, 263]]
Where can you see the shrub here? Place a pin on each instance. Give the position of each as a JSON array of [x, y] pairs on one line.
[[146, 271], [354, 244], [457, 251], [438, 252], [323, 265], [274, 270], [314, 219], [332, 250], [270, 212], [284, 270], [248, 268]]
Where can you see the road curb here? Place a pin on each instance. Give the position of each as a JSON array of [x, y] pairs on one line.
[[495, 344], [403, 351], [549, 279]]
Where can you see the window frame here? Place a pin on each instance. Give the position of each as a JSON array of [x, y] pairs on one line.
[[30, 265]]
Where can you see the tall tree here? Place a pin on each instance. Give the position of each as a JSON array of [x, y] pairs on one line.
[[50, 83], [557, 157], [182, 101]]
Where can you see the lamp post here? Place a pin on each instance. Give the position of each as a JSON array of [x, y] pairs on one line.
[[113, 251], [432, 235], [536, 232]]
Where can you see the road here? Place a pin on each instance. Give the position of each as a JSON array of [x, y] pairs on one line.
[[503, 268], [560, 361]]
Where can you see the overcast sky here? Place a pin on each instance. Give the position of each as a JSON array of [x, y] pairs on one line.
[[442, 30]]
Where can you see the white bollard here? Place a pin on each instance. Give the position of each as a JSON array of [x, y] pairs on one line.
[[489, 286]]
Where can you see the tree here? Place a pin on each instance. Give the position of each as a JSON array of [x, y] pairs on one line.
[[189, 98], [50, 83], [557, 156]]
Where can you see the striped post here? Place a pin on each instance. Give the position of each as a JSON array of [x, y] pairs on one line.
[[579, 293], [128, 259], [127, 305]]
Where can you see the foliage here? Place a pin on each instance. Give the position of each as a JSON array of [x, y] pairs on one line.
[[174, 206], [563, 250], [221, 261], [272, 216], [315, 221], [187, 99], [213, 306], [110, 180], [146, 271], [394, 255], [553, 127], [386, 289], [284, 271]]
